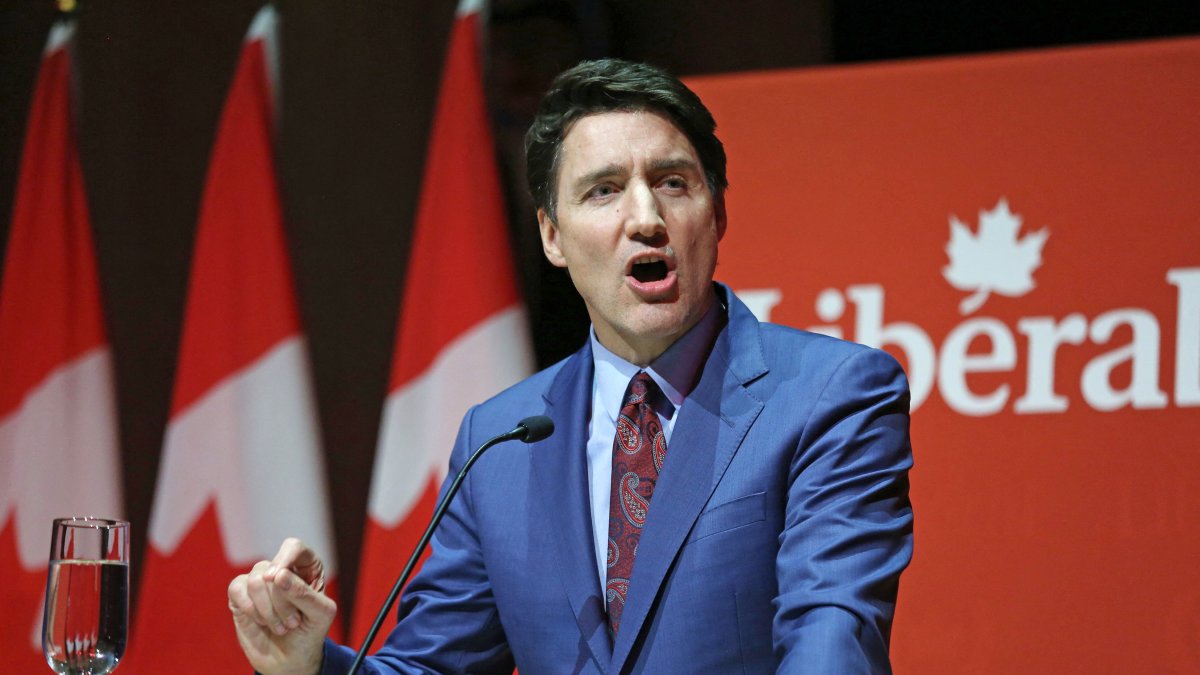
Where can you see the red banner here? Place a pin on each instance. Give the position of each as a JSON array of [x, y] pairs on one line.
[[1023, 232]]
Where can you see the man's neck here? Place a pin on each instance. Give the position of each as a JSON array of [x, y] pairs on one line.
[[675, 368], [641, 351]]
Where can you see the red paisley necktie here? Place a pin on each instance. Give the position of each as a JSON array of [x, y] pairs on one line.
[[638, 452]]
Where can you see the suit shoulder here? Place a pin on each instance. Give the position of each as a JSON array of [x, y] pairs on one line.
[[783, 345], [779, 337]]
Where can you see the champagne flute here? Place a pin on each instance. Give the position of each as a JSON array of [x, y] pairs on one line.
[[86, 618]]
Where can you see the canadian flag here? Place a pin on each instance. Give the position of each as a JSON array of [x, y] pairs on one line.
[[242, 466], [462, 335], [58, 432]]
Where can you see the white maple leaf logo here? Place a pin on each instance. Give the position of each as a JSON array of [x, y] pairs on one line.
[[994, 259]]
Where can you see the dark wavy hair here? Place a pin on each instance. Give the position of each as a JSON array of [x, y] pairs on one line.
[[613, 85]]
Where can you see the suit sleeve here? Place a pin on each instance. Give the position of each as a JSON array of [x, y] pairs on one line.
[[848, 529], [450, 621]]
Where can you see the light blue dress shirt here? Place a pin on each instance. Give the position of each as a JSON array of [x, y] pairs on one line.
[[675, 372]]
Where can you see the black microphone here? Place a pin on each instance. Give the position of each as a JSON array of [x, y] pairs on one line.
[[528, 430], [534, 429]]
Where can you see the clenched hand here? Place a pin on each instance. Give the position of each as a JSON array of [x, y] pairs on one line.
[[281, 612]]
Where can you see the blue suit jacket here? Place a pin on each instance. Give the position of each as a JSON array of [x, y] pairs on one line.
[[779, 527]]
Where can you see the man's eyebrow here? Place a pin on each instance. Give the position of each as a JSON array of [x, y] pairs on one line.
[[656, 166], [674, 164], [607, 171]]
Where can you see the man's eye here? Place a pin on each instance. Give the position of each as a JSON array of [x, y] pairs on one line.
[[601, 191], [674, 183]]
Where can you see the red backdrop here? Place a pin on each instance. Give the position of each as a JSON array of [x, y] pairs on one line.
[[1023, 232]]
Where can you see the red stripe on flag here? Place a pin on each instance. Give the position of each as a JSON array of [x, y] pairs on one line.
[[240, 307], [239, 272], [460, 275], [460, 271], [57, 434], [22, 595], [184, 595], [49, 297]]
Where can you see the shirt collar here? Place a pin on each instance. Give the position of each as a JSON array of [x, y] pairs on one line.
[[675, 371]]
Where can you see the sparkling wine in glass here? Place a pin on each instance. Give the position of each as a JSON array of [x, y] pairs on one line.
[[87, 596]]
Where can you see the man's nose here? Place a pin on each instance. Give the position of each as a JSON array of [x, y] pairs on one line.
[[645, 219]]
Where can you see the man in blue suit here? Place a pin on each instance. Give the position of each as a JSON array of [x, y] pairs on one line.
[[767, 523]]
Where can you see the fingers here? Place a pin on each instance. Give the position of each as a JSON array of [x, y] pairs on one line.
[[296, 556], [256, 598], [281, 622], [289, 551], [273, 600], [298, 595], [245, 614]]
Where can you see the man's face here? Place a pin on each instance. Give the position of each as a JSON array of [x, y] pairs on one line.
[[637, 230]]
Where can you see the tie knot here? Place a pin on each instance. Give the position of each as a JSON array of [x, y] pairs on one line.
[[642, 389]]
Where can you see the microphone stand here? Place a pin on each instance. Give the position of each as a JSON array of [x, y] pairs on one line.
[[528, 430]]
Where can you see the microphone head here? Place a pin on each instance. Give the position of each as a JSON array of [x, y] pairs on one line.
[[536, 428]]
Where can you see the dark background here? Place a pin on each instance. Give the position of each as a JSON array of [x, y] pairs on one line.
[[358, 80]]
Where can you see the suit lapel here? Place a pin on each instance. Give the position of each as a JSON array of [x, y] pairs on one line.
[[713, 421], [560, 470]]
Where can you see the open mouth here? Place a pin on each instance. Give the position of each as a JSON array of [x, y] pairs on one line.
[[653, 270]]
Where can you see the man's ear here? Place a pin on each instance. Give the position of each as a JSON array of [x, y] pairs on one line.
[[549, 232], [719, 212]]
